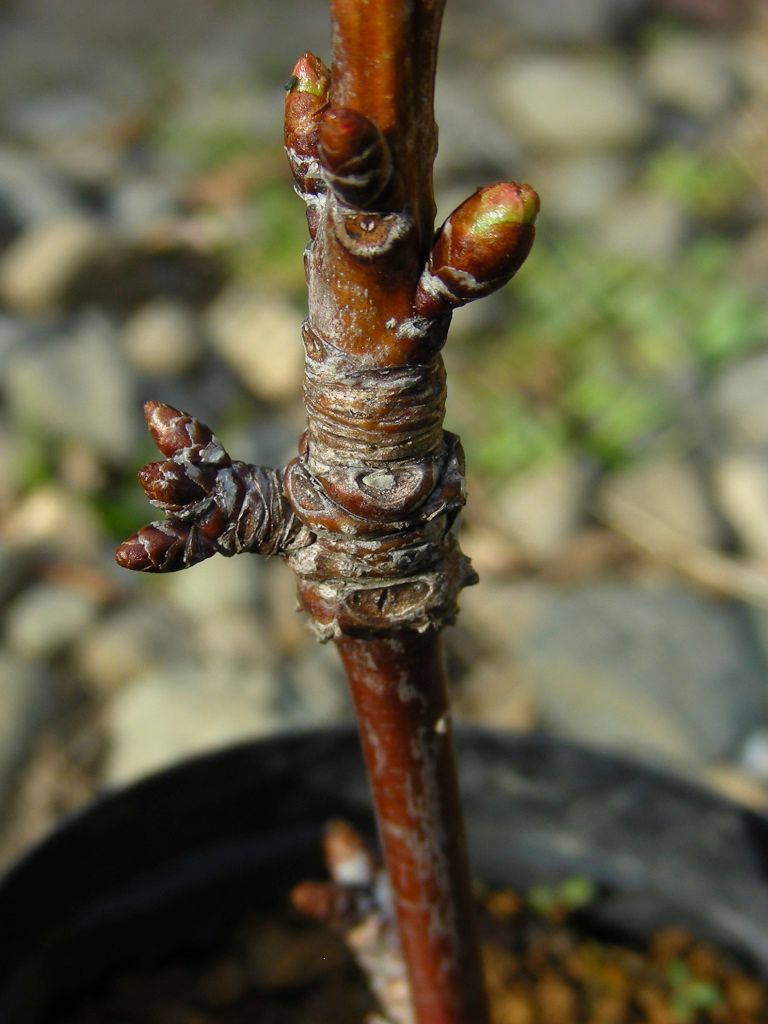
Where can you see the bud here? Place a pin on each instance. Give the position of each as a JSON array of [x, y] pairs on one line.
[[305, 104], [158, 547], [170, 485], [180, 435], [172, 544], [355, 156], [479, 247], [347, 856], [214, 504]]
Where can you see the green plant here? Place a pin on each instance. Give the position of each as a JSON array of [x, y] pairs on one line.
[[707, 184], [688, 994], [601, 346]]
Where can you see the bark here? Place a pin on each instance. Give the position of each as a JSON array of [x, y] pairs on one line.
[[399, 690]]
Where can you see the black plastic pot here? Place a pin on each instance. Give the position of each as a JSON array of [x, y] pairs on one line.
[[169, 862]]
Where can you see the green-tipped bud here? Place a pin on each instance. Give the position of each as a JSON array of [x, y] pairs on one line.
[[479, 247], [305, 104], [311, 76]]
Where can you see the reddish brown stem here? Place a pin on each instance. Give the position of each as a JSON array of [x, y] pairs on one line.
[[399, 689], [384, 67], [366, 514]]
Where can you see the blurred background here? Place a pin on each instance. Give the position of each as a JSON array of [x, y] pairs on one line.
[[612, 400]]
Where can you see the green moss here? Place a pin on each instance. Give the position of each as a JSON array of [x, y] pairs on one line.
[[595, 348], [708, 185], [562, 897]]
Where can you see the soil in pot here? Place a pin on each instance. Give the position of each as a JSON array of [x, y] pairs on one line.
[[542, 967], [173, 864]]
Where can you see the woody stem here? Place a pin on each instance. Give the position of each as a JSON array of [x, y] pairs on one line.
[[399, 689], [378, 481]]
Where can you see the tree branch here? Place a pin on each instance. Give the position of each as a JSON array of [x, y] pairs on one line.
[[367, 513]]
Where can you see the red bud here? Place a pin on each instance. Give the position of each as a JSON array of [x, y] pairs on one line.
[[165, 546], [158, 547], [355, 157], [169, 485], [177, 433]]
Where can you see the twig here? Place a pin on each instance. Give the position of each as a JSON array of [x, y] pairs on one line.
[[367, 514]]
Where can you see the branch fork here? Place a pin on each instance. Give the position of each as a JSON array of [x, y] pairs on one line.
[[214, 505], [366, 514]]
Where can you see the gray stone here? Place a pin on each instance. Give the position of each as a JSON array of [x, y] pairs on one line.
[[39, 269], [78, 387], [58, 113], [129, 642], [578, 188], [259, 336], [30, 191], [738, 399], [656, 670], [289, 633], [55, 521], [216, 587], [235, 639], [588, 21], [314, 690], [9, 482], [14, 333], [257, 37], [741, 484], [13, 570], [754, 755], [542, 507], [46, 619], [570, 103], [495, 694], [666, 489], [499, 614], [74, 129], [472, 138], [80, 469], [751, 65], [223, 619], [162, 339], [693, 74], [642, 225], [141, 205], [176, 712], [24, 698], [265, 439]]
